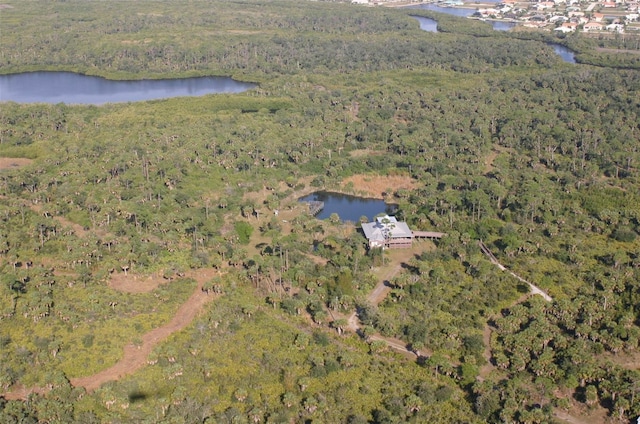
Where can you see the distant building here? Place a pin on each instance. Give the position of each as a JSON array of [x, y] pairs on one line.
[[593, 26], [567, 27]]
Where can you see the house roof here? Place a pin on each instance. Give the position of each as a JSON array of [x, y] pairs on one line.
[[386, 227]]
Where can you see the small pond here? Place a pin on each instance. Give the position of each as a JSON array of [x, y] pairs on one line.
[[426, 24], [348, 208], [566, 54], [503, 25], [72, 88]]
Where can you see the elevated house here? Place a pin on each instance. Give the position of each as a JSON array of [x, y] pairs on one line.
[[387, 232]]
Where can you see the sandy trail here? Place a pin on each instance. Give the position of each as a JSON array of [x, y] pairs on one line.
[[135, 356]]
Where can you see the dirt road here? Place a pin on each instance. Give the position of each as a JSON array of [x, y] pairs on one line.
[[135, 357]]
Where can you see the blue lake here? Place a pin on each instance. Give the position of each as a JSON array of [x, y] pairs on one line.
[[348, 208], [72, 88], [566, 54], [426, 24], [503, 26]]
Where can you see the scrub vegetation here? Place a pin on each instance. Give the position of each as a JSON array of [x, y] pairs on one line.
[[113, 217]]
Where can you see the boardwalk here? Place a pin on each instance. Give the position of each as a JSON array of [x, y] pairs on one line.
[[315, 207]]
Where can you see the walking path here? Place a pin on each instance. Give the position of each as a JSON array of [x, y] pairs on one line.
[[375, 297], [534, 289], [135, 356]]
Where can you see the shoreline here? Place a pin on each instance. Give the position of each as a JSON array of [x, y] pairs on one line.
[[466, 5]]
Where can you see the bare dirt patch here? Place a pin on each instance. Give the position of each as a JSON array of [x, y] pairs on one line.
[[377, 186], [11, 163], [583, 415], [488, 160], [628, 360], [77, 228], [136, 283], [365, 152], [135, 356]]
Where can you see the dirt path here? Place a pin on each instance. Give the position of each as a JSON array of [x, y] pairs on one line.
[[563, 416], [77, 228], [534, 289], [400, 346], [383, 288], [135, 356], [377, 295], [597, 416], [488, 367]]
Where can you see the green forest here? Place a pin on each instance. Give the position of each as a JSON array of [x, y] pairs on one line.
[[146, 277]]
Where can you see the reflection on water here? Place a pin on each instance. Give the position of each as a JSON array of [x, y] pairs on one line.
[[503, 26], [430, 25], [566, 54], [348, 208], [71, 88], [427, 24]]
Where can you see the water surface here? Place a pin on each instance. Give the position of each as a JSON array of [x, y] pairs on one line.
[[348, 208], [462, 12], [503, 26], [566, 54], [426, 24], [72, 88]]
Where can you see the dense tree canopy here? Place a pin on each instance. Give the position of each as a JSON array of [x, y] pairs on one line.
[[505, 144]]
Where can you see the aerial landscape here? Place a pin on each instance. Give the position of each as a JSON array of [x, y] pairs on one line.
[[319, 212]]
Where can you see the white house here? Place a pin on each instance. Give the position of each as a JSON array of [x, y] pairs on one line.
[[592, 26], [387, 232], [615, 27], [558, 18]]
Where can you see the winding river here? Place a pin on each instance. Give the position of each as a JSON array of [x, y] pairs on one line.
[[430, 25]]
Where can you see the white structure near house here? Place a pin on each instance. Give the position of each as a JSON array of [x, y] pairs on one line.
[[593, 26], [545, 5], [387, 232], [558, 18], [615, 27], [567, 27]]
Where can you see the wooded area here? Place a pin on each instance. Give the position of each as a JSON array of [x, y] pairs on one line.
[[506, 144]]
